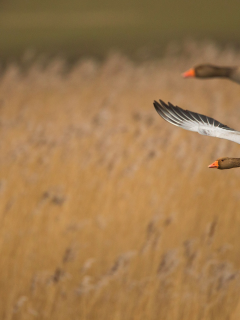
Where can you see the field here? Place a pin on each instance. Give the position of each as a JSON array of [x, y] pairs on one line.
[[107, 211]]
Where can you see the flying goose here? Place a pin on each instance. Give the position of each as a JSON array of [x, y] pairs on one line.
[[202, 124], [211, 71]]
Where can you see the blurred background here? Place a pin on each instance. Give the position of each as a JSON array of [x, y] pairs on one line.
[[106, 210], [75, 29]]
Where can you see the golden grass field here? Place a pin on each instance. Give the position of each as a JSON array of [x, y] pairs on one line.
[[107, 211]]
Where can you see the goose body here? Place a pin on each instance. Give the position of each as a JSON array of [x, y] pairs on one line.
[[202, 124], [204, 71]]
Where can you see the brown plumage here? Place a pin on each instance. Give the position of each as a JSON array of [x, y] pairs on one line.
[[225, 163], [210, 71]]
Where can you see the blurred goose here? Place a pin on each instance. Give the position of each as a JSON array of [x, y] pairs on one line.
[[197, 122], [210, 71]]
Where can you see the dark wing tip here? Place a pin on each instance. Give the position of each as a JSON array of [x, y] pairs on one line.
[[160, 105], [157, 106], [161, 108]]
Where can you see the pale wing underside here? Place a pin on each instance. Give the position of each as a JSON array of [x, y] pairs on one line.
[[196, 122]]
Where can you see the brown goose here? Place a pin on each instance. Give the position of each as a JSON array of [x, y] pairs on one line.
[[210, 71], [197, 122]]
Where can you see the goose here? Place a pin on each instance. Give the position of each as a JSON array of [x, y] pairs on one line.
[[210, 71], [202, 124]]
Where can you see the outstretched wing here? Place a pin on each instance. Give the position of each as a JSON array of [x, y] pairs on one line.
[[197, 122]]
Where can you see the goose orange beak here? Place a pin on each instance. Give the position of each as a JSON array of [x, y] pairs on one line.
[[214, 165], [189, 73]]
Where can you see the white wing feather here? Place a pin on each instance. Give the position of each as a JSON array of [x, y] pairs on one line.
[[196, 122]]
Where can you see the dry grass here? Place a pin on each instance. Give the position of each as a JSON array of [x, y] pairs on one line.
[[107, 211]]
